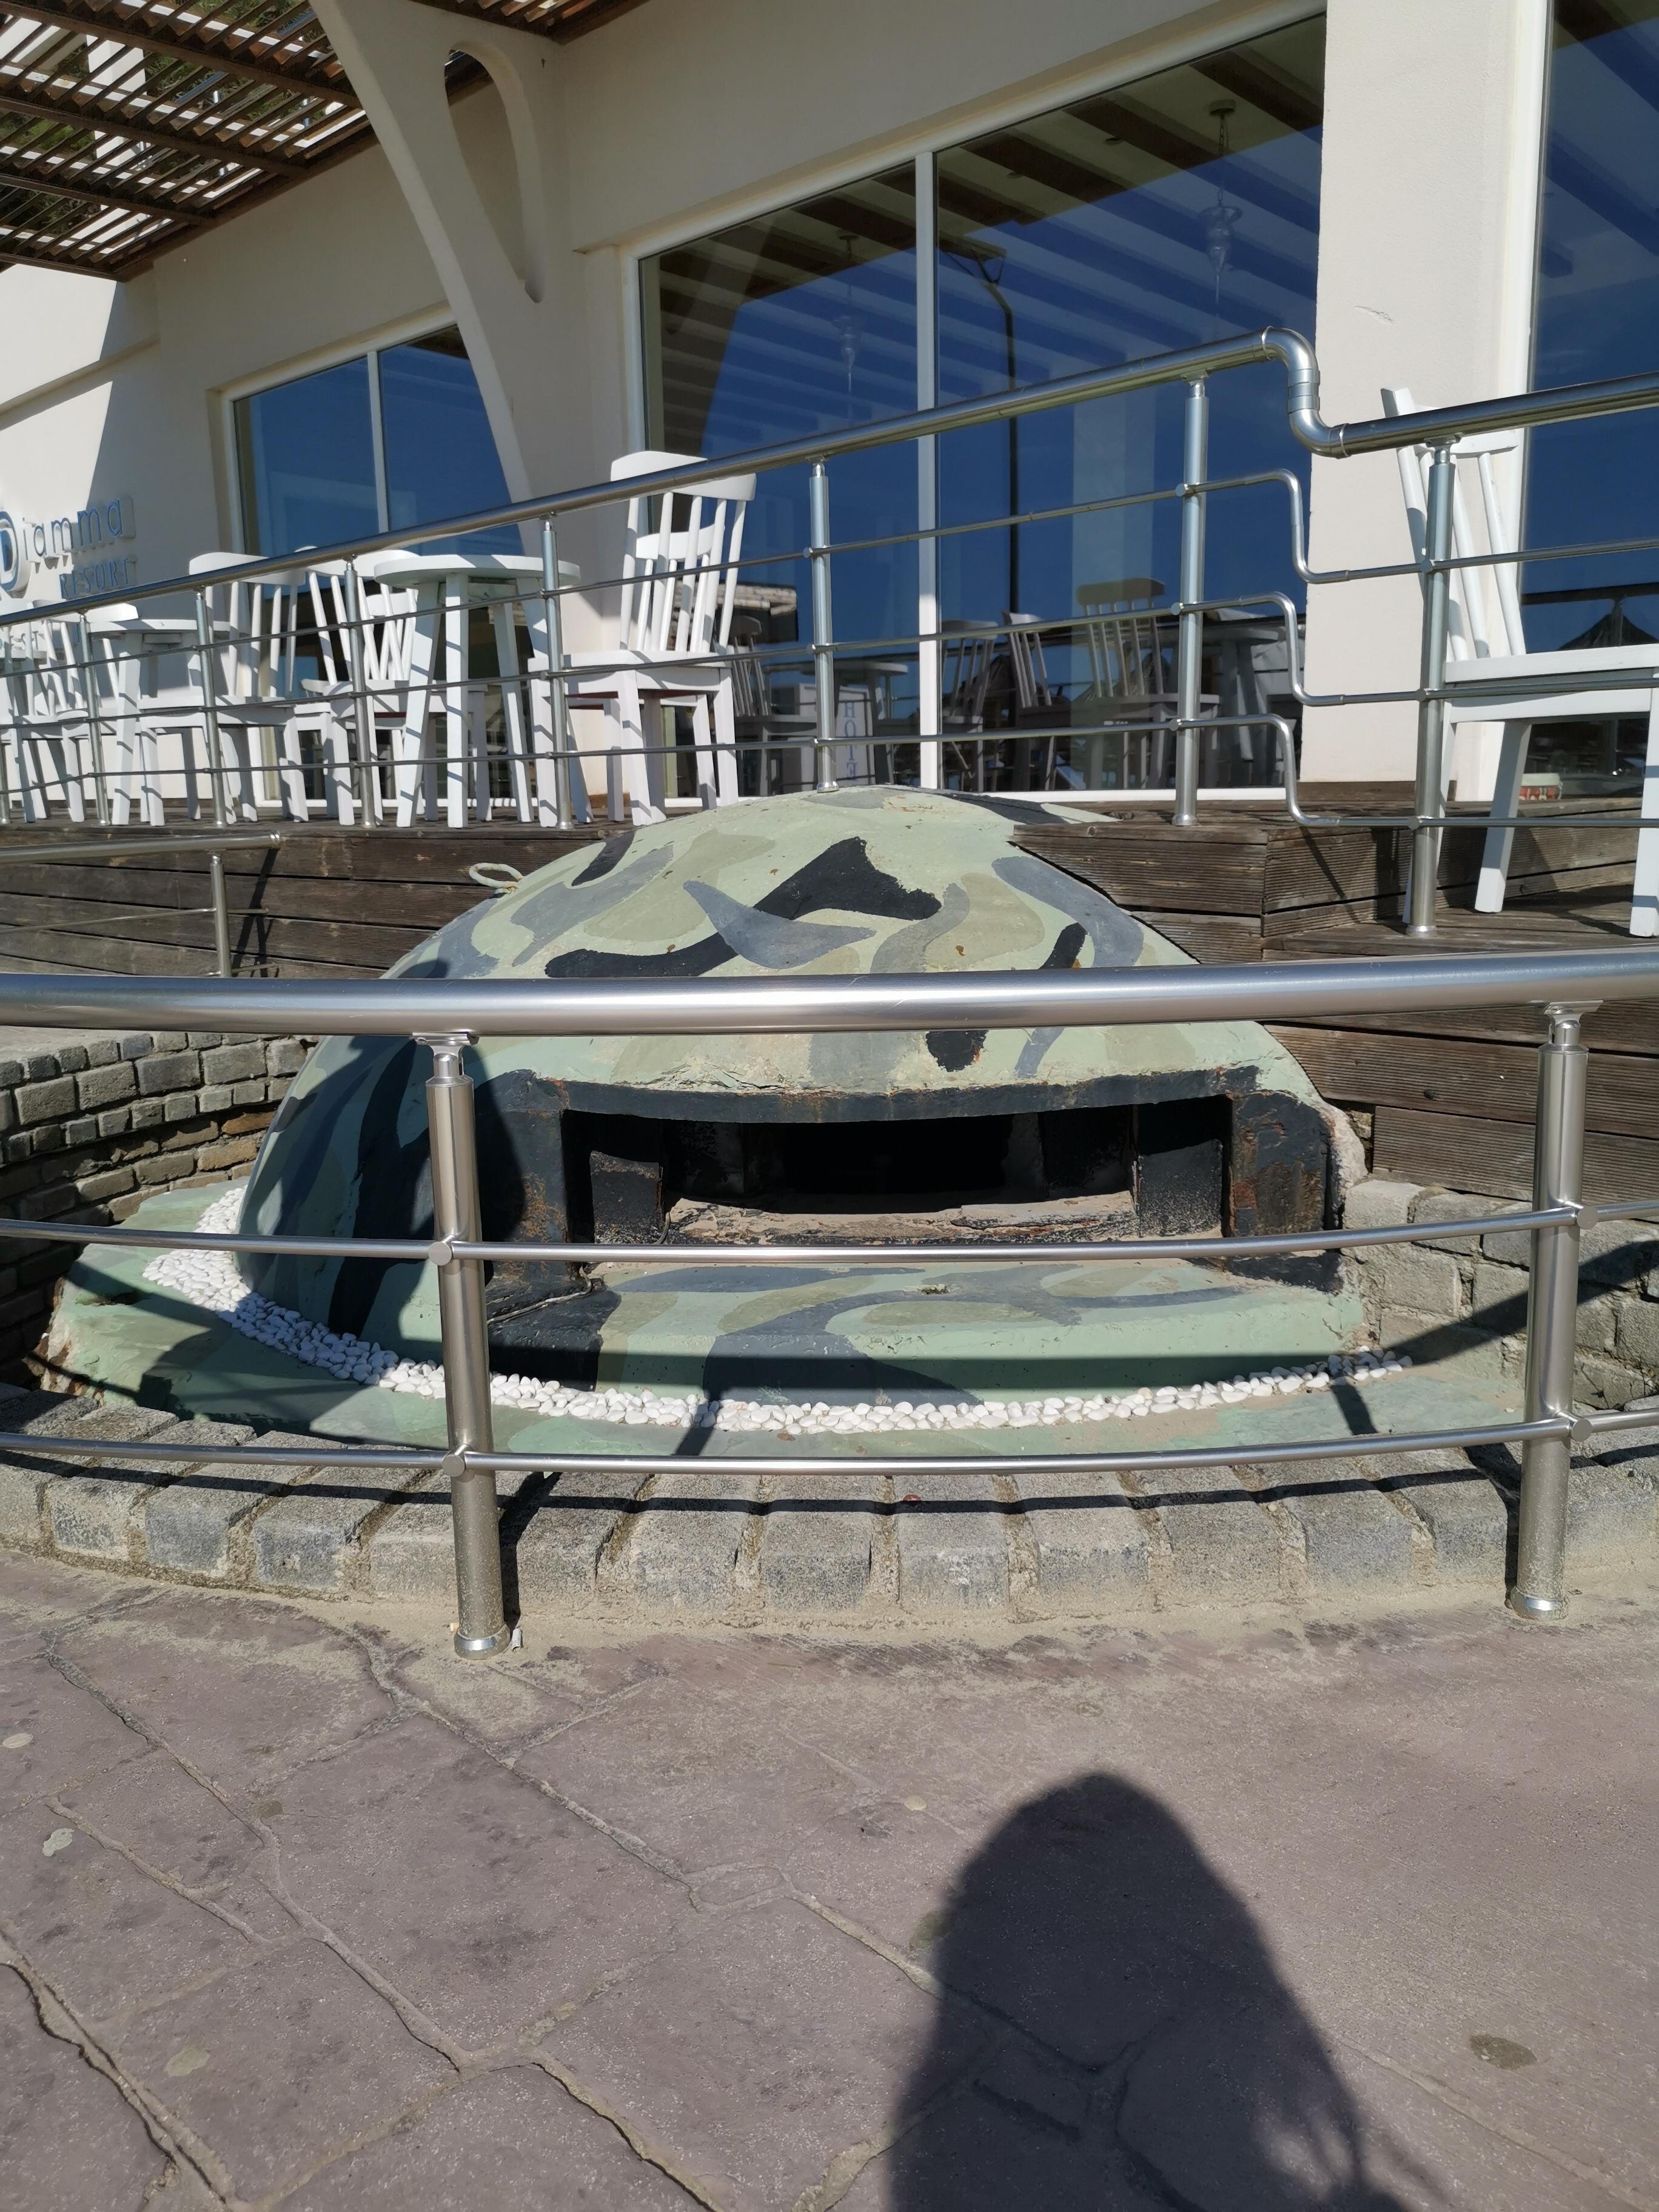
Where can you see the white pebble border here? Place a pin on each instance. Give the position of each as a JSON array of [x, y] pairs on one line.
[[210, 1280]]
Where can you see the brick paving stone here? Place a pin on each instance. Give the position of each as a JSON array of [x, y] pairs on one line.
[[411, 1552], [70, 2142], [1466, 1517], [817, 1542], [63, 1897], [308, 1541], [180, 1831], [1610, 1513], [1092, 1554], [243, 1692], [25, 1481], [484, 1901], [760, 2046], [951, 1558], [1223, 1547], [53, 1733], [197, 1525], [1352, 1537], [516, 2139], [97, 1517], [681, 1553], [557, 1552], [275, 2068]]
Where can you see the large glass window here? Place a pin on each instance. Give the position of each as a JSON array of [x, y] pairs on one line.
[[395, 440], [1597, 316], [1172, 210]]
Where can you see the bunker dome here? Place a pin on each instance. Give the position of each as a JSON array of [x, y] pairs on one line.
[[1196, 1129]]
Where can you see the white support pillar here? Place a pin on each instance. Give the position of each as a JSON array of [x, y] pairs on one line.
[[504, 260], [1428, 226]]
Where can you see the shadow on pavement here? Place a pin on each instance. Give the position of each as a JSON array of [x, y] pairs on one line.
[[1143, 2051]]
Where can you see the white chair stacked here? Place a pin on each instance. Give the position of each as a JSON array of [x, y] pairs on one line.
[[674, 641], [1502, 683], [437, 682]]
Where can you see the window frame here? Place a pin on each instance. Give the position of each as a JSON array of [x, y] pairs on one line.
[[368, 347], [1140, 58]]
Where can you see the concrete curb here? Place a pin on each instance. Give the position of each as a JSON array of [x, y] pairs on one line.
[[900, 1545]]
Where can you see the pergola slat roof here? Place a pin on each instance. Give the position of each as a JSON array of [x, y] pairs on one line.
[[127, 126]]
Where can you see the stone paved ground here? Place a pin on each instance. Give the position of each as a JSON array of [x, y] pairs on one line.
[[299, 1911]]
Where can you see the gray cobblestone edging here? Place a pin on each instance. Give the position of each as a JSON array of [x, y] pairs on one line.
[[95, 1125], [718, 1544]]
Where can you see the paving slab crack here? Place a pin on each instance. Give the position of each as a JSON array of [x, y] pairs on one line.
[[664, 2161], [59, 2020]]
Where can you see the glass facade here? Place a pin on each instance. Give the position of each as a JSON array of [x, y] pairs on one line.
[[1598, 309], [1597, 316], [1166, 212], [395, 440]]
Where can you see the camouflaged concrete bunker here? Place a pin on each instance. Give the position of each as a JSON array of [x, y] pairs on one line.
[[1207, 1128]]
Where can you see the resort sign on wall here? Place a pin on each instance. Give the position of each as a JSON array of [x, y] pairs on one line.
[[83, 553]]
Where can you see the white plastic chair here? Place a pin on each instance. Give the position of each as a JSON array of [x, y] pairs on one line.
[[1517, 688], [674, 632]]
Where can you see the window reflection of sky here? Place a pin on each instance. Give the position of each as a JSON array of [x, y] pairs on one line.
[[1597, 316], [307, 450]]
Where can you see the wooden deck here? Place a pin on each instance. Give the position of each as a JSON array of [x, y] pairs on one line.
[[1448, 1097]]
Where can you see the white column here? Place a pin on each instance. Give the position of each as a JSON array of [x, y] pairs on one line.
[[1428, 215]]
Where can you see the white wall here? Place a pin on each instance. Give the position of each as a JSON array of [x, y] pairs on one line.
[[1428, 199]]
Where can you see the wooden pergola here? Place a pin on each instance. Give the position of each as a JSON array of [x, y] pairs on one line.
[[129, 126]]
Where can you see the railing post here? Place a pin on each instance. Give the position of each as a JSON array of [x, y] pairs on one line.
[[1431, 706], [95, 724], [481, 1628], [1189, 665], [362, 709], [823, 645], [1558, 1179], [206, 670], [552, 618], [221, 914]]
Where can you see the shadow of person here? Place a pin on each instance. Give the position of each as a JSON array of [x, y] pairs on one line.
[[1112, 2033]]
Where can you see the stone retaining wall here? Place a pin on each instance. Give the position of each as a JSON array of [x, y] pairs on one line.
[[92, 1127], [1465, 1299]]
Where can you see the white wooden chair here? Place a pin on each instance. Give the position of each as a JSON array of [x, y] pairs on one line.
[[674, 633], [252, 674], [50, 722], [1504, 684], [327, 709], [440, 683]]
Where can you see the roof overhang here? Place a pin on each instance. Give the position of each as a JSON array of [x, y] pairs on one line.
[[129, 126]]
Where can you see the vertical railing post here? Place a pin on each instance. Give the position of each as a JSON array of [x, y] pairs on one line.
[[208, 674], [362, 707], [1552, 1319], [563, 813], [823, 639], [1189, 665], [95, 722], [221, 914], [481, 1627], [1430, 801]]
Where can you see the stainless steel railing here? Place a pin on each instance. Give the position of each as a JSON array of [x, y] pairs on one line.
[[446, 1017], [1435, 429]]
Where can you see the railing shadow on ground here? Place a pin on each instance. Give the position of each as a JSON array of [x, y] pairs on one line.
[[1112, 2033]]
